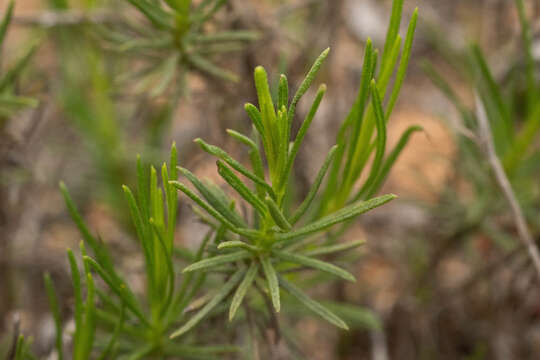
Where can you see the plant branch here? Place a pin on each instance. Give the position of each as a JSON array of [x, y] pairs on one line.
[[503, 182], [50, 19], [16, 333]]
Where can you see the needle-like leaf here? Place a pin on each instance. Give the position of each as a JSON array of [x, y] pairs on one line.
[[55, 309], [242, 289], [304, 206], [339, 216], [272, 281], [391, 159], [12, 73], [217, 260], [306, 83], [216, 151], [237, 244], [121, 290], [301, 134], [312, 304], [241, 188], [159, 17], [331, 249], [393, 27], [403, 64], [256, 117], [6, 20], [283, 92], [220, 295], [216, 202], [277, 214], [210, 210], [380, 141], [315, 264]]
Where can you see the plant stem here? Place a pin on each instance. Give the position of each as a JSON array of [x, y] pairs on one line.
[[503, 182]]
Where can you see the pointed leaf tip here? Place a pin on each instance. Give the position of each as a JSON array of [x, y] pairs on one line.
[[259, 70]]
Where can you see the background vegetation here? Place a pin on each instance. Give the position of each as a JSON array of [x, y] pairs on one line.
[[446, 271]]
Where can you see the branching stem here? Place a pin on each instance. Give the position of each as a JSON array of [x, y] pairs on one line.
[[503, 182]]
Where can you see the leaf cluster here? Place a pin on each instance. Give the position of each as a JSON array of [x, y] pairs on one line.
[[146, 54], [173, 40], [117, 322], [256, 251], [362, 135], [257, 254], [512, 105]]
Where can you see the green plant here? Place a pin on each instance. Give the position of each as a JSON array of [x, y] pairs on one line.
[[22, 349], [85, 99], [258, 251], [119, 323], [246, 262], [362, 134], [9, 101], [127, 56], [174, 41], [512, 106]]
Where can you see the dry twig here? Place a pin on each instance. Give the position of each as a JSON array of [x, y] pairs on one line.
[[50, 19], [501, 178]]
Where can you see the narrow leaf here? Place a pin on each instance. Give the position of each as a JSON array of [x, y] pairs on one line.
[[6, 20], [99, 250], [304, 86], [380, 141], [201, 63], [216, 151], [301, 134], [393, 27], [55, 309], [283, 92], [222, 206], [242, 289], [339, 216], [302, 208], [331, 249], [108, 352], [312, 304], [121, 290], [159, 17], [403, 64], [240, 188], [271, 279], [237, 244], [210, 210], [277, 214], [255, 116], [217, 260], [391, 159], [76, 282], [314, 263], [218, 298], [21, 63]]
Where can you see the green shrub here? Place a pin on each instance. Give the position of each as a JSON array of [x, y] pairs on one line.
[[248, 264]]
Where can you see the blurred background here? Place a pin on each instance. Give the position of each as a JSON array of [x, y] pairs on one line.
[[443, 272]]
